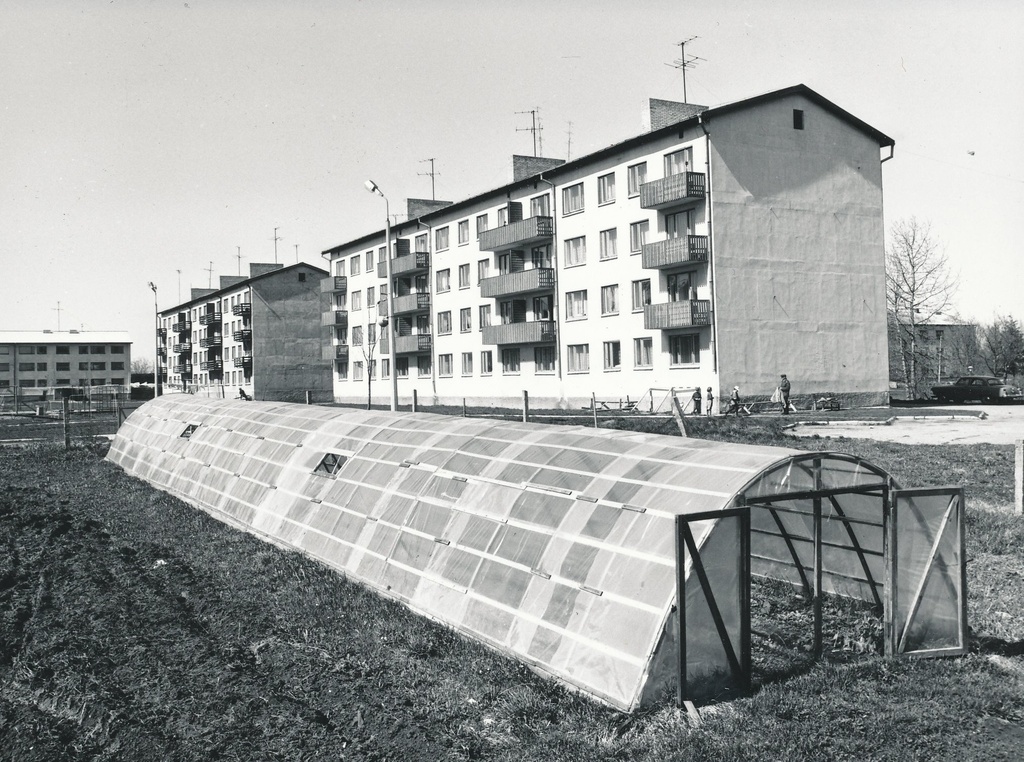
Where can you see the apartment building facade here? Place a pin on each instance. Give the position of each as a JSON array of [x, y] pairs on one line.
[[33, 361], [721, 248], [258, 333]]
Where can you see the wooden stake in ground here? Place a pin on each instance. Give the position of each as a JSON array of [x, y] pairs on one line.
[[1018, 478], [67, 422]]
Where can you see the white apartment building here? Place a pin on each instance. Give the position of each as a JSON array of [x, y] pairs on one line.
[[723, 247]]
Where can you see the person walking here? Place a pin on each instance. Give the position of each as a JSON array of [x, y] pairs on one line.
[[711, 401], [734, 402], [784, 387], [696, 401]]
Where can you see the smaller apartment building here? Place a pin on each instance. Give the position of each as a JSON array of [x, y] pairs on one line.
[[723, 247], [260, 334], [38, 360]]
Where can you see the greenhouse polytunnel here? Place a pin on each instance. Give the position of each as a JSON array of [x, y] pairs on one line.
[[568, 547]]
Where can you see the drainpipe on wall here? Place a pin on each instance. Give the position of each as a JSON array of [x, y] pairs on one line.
[[556, 311], [708, 218]]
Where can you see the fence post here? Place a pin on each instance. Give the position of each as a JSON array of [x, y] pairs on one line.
[[309, 397], [526, 406], [1018, 478], [415, 400], [66, 404], [463, 407], [593, 407]]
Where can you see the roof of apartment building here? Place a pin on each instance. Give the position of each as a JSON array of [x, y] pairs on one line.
[[690, 115], [65, 337], [229, 283]]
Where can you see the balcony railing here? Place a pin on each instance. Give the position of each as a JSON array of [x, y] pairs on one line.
[[420, 342], [183, 347], [334, 318], [530, 332], [184, 369], [522, 233], [675, 251], [214, 366], [244, 334], [245, 308], [407, 263], [674, 189], [334, 284], [182, 326], [695, 312], [334, 352], [209, 318], [538, 279], [409, 303], [245, 361], [161, 332], [211, 341]]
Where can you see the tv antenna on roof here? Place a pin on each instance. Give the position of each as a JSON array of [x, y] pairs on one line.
[[535, 128], [276, 239], [433, 174], [683, 63], [58, 311], [238, 256], [209, 272]]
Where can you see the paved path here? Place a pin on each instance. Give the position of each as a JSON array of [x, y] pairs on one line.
[[1001, 424]]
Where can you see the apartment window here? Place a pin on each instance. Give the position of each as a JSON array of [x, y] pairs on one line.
[[420, 242], [544, 360], [572, 199], [342, 369], [356, 300], [485, 315], [371, 334], [444, 366], [23, 350], [373, 369], [540, 206], [684, 349], [642, 353], [441, 238], [402, 367], [678, 162], [610, 299], [357, 336], [679, 224], [510, 360], [641, 294], [62, 366], [385, 368], [483, 269], [503, 217], [612, 355], [444, 323], [97, 366], [464, 276], [542, 307], [5, 367], [25, 367], [63, 382], [609, 243], [26, 382], [575, 251], [65, 350], [481, 224], [113, 366], [5, 383], [42, 366], [42, 350], [638, 235], [576, 305], [355, 266], [98, 382], [636, 176], [371, 296], [465, 320], [463, 232], [423, 365], [81, 350], [679, 288], [357, 371], [467, 363], [486, 363], [579, 358], [540, 256], [444, 280], [606, 188], [92, 350], [798, 119]]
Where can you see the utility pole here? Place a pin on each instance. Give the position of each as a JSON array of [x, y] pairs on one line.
[[276, 239], [683, 63], [535, 128], [209, 272], [58, 316], [433, 174]]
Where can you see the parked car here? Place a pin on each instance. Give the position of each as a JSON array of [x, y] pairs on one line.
[[977, 388]]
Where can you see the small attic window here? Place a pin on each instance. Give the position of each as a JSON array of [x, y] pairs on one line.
[[302, 277], [330, 464], [798, 119], [189, 430]]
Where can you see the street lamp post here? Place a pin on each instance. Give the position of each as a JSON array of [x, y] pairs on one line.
[[156, 341], [390, 327]]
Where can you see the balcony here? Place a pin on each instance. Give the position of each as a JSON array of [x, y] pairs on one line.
[[161, 332], [245, 361], [335, 318], [407, 263], [245, 308], [695, 312], [334, 352], [410, 303], [161, 352], [337, 284], [183, 369], [538, 279], [214, 366], [530, 332], [182, 326], [516, 234], [211, 341], [243, 335], [420, 342], [209, 318], [182, 348], [675, 251], [674, 189]]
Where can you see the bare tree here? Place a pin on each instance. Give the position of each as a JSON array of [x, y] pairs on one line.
[[142, 365], [1002, 346], [918, 288]]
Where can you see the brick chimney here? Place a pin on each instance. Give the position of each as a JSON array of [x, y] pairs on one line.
[[528, 166], [664, 113], [262, 268], [417, 207]]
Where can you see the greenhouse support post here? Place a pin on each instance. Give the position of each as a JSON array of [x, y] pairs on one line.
[[526, 406], [1018, 477]]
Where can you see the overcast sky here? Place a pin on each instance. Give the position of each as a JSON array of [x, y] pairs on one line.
[[143, 138]]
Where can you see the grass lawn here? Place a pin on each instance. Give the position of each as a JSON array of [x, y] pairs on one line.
[[134, 627]]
